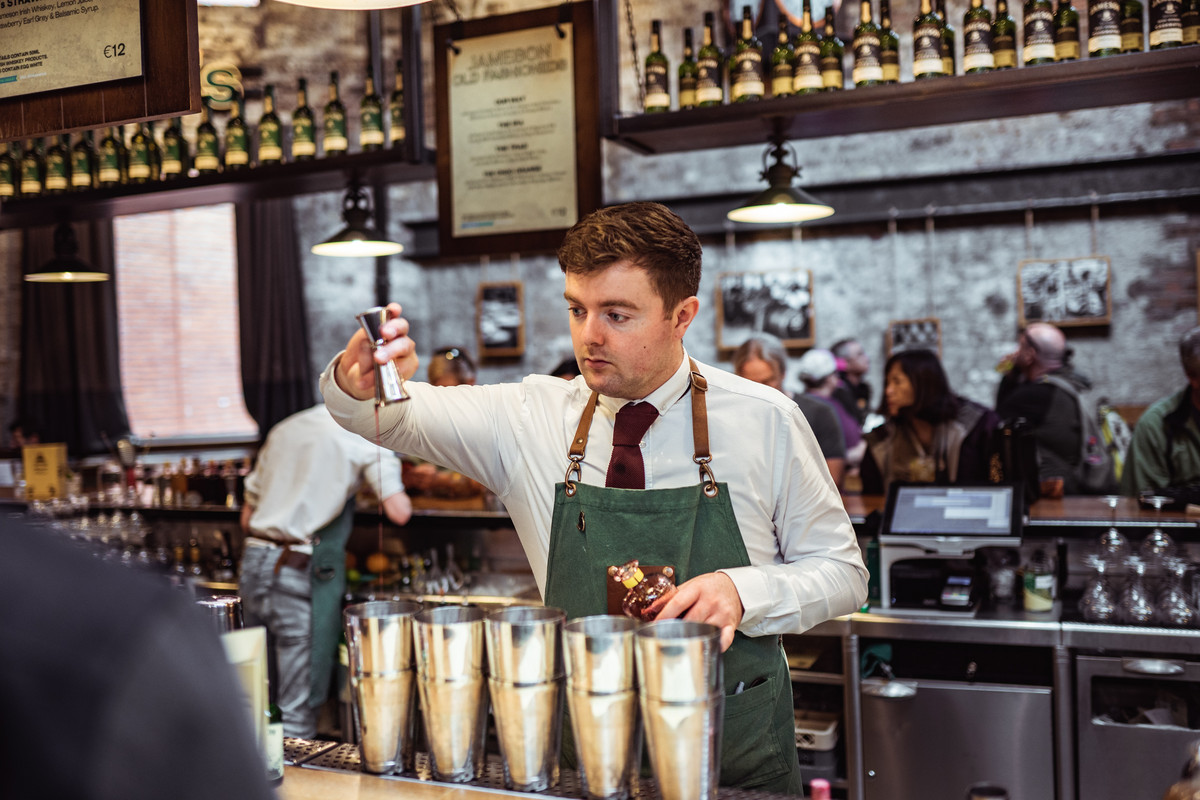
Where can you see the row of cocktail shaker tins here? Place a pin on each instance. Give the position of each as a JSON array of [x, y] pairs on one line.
[[526, 662]]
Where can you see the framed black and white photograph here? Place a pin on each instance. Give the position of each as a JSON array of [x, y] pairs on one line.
[[500, 319], [915, 334], [1065, 291], [779, 303]]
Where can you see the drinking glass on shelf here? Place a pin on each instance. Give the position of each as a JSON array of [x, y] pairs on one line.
[[1099, 601], [1158, 546], [1136, 607], [1113, 546], [1174, 608]]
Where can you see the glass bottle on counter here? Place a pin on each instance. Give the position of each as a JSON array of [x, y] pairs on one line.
[[9, 171], [1040, 581], [977, 39], [1133, 38], [1039, 32], [270, 131], [237, 139], [1099, 601], [58, 165], [643, 590], [949, 56], [1066, 32], [174, 151], [889, 44], [304, 137], [833, 76], [782, 59], [1174, 608], [370, 118], [868, 69], [1104, 28], [1004, 37], [396, 132], [273, 744], [806, 75], [83, 162], [688, 72], [1166, 24], [927, 44], [208, 150], [747, 78], [1136, 607], [33, 168], [657, 84], [333, 137], [710, 78]]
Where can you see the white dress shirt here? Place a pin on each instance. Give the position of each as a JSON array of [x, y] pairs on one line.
[[306, 471], [806, 566]]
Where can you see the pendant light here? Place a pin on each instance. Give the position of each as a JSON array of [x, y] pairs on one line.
[[66, 266], [354, 5], [358, 239], [780, 202]]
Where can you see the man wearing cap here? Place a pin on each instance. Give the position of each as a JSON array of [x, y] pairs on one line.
[[818, 371], [647, 455]]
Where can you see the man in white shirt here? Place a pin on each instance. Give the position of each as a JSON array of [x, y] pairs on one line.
[[727, 484], [297, 517]]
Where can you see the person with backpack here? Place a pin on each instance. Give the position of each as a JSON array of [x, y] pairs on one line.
[[1042, 388], [1164, 456]]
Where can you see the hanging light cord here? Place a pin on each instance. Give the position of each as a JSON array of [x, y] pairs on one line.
[[637, 64]]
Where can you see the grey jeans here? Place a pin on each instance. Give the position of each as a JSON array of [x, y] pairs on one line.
[[283, 604]]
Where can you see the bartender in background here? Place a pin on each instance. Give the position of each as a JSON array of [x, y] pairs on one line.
[[298, 514]]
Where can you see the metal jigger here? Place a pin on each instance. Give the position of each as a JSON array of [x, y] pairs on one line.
[[389, 383]]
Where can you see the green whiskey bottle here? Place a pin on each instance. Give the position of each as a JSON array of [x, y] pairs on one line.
[[237, 139], [747, 78], [1133, 39], [175, 151], [689, 73], [1039, 32], [927, 44], [333, 139], [783, 59], [396, 132], [370, 118], [139, 156], [657, 81], [83, 162], [58, 165], [304, 136], [33, 169], [949, 56], [806, 76], [1066, 32], [868, 65], [1166, 24], [1104, 28], [208, 149], [977, 39], [710, 80], [1004, 37], [889, 44], [270, 131], [833, 77], [10, 171], [109, 171]]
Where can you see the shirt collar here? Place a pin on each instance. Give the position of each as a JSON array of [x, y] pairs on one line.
[[672, 391]]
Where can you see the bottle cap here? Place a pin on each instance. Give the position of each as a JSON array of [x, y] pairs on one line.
[[634, 579]]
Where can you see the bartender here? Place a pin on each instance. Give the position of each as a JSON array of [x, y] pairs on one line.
[[650, 455]]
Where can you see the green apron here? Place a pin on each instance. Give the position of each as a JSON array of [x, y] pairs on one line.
[[328, 574], [694, 530]]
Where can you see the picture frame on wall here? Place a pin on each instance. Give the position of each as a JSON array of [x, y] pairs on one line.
[[500, 319], [779, 302], [1065, 291], [915, 334]]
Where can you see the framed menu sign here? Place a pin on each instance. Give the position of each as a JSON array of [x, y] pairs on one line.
[[518, 144], [57, 44]]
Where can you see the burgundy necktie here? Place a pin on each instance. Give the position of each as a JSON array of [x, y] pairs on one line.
[[626, 470]]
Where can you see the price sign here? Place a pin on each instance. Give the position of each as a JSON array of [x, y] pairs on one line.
[[56, 44]]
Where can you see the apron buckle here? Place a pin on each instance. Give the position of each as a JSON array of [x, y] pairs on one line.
[[570, 486], [710, 481]]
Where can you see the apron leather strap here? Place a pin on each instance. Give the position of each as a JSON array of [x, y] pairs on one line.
[[701, 456]]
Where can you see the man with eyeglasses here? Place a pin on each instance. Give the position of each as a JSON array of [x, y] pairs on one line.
[[646, 455]]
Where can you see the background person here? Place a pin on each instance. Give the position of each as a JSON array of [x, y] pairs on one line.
[[817, 370], [1164, 456], [758, 536], [852, 390], [931, 435], [763, 359], [297, 516]]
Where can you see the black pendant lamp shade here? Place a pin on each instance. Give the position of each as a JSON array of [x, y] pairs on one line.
[[780, 202]]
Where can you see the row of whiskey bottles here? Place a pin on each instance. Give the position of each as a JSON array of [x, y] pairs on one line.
[[812, 60], [135, 153]]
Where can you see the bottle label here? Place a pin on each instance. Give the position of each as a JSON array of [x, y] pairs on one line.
[[781, 79], [237, 157], [31, 184], [1166, 24], [368, 137], [746, 77], [81, 170], [658, 95], [139, 171], [708, 81], [56, 177], [1104, 25], [396, 131], [1133, 41], [270, 143], [303, 142], [947, 56], [1066, 43], [270, 152], [867, 63], [1039, 35], [7, 189], [807, 75], [171, 166], [335, 135], [371, 128], [927, 50], [832, 76], [1004, 51], [977, 45], [889, 60], [110, 174], [687, 91], [336, 144], [206, 153], [1191, 27]]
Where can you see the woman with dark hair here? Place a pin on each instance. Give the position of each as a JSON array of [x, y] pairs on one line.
[[931, 435]]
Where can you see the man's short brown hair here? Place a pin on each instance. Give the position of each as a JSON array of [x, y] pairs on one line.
[[648, 235]]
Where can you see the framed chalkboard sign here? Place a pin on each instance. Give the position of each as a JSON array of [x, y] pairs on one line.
[[779, 303], [915, 334], [500, 319], [1065, 291]]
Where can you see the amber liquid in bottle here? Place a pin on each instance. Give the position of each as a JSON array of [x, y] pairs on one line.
[[644, 590]]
